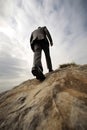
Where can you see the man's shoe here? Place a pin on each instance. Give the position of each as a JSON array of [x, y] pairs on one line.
[[50, 70], [41, 76], [36, 71]]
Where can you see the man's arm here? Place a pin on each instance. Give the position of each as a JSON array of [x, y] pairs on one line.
[[31, 38], [48, 35]]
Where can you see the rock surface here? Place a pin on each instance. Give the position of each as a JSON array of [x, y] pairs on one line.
[[57, 103]]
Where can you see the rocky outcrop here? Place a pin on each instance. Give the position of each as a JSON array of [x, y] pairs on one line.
[[57, 103]]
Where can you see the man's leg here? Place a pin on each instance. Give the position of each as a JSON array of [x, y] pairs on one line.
[[37, 69], [48, 58], [37, 56]]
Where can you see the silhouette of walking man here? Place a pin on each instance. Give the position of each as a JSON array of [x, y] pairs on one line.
[[39, 40]]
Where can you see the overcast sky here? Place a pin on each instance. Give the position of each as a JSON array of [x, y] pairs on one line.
[[65, 19]]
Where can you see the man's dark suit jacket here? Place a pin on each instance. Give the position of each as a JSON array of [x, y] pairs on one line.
[[41, 33]]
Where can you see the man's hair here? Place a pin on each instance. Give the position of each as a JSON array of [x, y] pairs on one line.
[[39, 27]]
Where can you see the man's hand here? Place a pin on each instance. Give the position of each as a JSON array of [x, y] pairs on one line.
[[51, 43]]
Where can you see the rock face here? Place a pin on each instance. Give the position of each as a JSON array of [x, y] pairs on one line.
[[57, 103]]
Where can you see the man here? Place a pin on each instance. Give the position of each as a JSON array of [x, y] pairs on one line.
[[39, 40]]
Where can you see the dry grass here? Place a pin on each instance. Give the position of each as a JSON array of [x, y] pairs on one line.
[[68, 65]]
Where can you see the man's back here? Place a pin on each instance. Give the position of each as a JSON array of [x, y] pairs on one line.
[[39, 34]]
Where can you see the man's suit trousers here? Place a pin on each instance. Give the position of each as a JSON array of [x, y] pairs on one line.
[[38, 47]]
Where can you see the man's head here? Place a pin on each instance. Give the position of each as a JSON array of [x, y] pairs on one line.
[[39, 27]]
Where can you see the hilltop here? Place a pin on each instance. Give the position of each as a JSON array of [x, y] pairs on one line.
[[57, 103]]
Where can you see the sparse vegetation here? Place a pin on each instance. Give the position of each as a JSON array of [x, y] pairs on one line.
[[67, 65]]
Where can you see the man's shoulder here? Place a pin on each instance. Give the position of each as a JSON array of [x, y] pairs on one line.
[[34, 31], [44, 27]]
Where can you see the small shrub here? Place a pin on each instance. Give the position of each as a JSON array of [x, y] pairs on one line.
[[67, 65]]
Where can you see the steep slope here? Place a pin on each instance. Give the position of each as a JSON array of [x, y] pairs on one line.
[[57, 103]]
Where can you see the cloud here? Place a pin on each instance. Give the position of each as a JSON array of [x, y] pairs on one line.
[[66, 21], [14, 68]]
